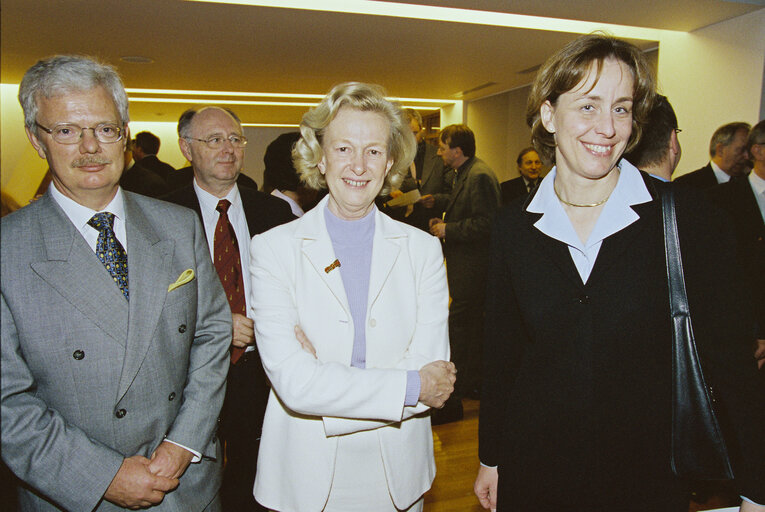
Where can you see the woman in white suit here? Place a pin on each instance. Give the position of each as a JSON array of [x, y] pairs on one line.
[[346, 428]]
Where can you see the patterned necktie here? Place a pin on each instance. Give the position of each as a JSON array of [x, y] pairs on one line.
[[229, 266], [110, 251]]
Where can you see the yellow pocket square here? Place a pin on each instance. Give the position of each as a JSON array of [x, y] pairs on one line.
[[186, 276]]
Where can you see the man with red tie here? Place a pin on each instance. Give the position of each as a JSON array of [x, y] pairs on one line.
[[211, 139]]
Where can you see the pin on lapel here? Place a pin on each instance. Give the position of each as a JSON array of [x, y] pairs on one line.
[[332, 267]]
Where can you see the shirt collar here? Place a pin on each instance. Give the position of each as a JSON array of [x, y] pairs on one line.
[[208, 202], [79, 214], [617, 213], [722, 176], [757, 183]]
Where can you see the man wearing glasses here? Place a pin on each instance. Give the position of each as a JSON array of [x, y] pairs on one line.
[[211, 139], [114, 325]]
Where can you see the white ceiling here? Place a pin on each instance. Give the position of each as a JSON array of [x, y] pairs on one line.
[[219, 47]]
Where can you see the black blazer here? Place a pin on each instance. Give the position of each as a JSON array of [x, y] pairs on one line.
[[737, 197], [575, 404], [262, 211], [142, 181], [514, 188], [157, 166], [701, 179]]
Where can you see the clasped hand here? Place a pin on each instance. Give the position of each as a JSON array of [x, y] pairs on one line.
[[141, 482], [437, 383]]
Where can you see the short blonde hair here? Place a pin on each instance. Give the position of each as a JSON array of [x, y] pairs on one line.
[[308, 152], [570, 65]]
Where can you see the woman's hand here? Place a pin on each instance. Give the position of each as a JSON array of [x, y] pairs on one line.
[[304, 341], [437, 383], [485, 487], [747, 506]]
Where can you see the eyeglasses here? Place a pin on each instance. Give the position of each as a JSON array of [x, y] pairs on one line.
[[678, 130], [217, 141], [66, 133]]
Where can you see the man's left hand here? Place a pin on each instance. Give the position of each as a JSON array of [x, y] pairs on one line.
[[170, 460]]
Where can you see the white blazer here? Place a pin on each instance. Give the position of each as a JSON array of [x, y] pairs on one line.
[[315, 400]]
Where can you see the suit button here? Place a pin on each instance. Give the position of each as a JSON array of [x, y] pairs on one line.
[[78, 355], [372, 322], [172, 396], [121, 413], [182, 328]]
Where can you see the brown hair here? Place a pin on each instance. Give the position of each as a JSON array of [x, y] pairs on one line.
[[570, 66]]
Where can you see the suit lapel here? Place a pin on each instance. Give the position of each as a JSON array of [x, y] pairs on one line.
[[317, 248], [556, 251], [459, 184], [149, 261], [384, 254], [74, 271]]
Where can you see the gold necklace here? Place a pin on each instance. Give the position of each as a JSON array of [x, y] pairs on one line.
[[591, 205]]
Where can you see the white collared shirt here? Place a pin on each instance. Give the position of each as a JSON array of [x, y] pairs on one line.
[[617, 214], [210, 216], [79, 215], [758, 187], [720, 175]]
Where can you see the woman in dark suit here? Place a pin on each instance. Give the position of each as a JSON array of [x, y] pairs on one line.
[[577, 387]]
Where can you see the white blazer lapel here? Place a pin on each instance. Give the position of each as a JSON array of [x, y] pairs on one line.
[[74, 271], [149, 262], [317, 248], [385, 251]]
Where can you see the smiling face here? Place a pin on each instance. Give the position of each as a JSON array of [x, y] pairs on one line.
[[87, 172], [355, 161], [215, 170], [530, 165], [592, 122]]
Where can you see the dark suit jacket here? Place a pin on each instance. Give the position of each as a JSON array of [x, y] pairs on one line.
[[701, 179], [514, 188], [575, 405], [89, 378], [157, 166], [737, 197], [142, 181], [469, 211]]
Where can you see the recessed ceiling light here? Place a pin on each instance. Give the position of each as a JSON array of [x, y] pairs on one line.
[[136, 59]]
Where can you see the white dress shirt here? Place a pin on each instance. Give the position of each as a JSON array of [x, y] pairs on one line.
[[722, 176], [758, 187], [210, 216]]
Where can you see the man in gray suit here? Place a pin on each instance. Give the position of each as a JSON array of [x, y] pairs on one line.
[[115, 328], [464, 229]]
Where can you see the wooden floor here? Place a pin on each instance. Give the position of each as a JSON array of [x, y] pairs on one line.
[[456, 451]]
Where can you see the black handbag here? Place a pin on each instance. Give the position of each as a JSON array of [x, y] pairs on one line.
[[699, 451]]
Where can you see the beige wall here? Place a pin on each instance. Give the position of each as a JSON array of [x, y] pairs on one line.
[[713, 76]]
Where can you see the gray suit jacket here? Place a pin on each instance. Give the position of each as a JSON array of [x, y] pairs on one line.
[[88, 378]]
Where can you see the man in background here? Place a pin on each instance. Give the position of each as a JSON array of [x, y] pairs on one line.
[[728, 158], [464, 230], [658, 151], [211, 139]]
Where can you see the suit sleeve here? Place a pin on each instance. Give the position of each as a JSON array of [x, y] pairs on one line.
[[51, 455], [483, 196], [205, 387], [430, 341], [308, 386]]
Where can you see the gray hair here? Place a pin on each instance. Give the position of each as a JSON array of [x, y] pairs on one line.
[[62, 74], [725, 134], [402, 146]]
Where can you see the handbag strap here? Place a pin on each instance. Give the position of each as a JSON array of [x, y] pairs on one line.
[[678, 299]]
